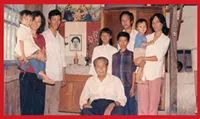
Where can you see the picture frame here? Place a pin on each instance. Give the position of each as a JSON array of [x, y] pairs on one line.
[[75, 42]]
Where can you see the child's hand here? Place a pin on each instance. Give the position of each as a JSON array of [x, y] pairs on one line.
[[23, 58], [41, 56]]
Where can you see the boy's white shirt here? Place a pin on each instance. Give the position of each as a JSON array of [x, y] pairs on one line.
[[24, 34]]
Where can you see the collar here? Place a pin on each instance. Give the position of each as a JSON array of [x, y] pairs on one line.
[[26, 27]]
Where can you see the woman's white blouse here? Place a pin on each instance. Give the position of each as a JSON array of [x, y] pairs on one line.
[[154, 69]]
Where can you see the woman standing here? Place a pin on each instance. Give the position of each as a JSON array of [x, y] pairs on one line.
[[32, 89], [104, 49], [149, 91]]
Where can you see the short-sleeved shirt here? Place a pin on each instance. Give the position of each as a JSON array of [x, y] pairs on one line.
[[139, 39], [40, 42], [123, 66], [24, 34]]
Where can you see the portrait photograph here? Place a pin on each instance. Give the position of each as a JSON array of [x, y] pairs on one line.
[[75, 42]]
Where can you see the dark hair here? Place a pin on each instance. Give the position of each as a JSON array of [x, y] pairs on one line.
[[162, 20], [108, 31], [43, 22], [101, 58], [25, 12], [141, 21], [54, 12], [129, 14], [123, 34], [75, 38]]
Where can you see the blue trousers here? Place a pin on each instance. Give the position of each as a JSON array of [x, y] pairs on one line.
[[131, 107], [37, 66], [99, 106]]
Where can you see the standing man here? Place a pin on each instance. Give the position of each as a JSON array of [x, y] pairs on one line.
[[55, 64], [127, 20], [124, 68]]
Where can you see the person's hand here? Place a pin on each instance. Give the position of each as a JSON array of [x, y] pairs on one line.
[[109, 109], [23, 58], [137, 61], [41, 56], [132, 93], [152, 42], [64, 82], [87, 106]]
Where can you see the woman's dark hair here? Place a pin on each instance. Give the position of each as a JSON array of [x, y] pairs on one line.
[[108, 31], [54, 12], [129, 14], [141, 21], [43, 22], [123, 34], [162, 20]]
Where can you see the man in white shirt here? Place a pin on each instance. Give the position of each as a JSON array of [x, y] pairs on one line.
[[105, 92], [55, 64], [127, 20]]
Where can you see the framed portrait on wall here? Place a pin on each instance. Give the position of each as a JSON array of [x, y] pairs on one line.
[[75, 43]]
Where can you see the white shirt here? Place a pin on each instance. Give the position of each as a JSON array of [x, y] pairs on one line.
[[154, 69], [55, 53], [106, 51], [110, 88], [131, 43], [24, 34]]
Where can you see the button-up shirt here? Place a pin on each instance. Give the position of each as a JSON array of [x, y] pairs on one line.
[[55, 53], [154, 69], [103, 51], [110, 88], [123, 66]]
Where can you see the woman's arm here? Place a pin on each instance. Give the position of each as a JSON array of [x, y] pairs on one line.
[[150, 58]]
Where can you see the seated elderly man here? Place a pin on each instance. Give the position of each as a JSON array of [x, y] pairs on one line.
[[105, 92]]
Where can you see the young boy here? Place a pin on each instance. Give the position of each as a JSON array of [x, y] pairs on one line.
[[26, 46], [140, 45], [124, 68]]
